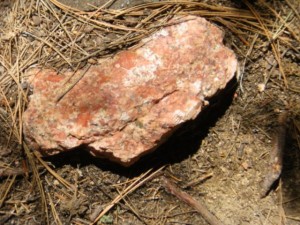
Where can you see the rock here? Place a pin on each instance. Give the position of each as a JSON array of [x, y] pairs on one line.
[[130, 104]]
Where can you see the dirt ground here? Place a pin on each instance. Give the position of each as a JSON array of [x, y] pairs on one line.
[[220, 159]]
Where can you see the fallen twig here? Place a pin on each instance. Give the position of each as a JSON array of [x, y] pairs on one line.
[[6, 172], [198, 180], [207, 215], [276, 154]]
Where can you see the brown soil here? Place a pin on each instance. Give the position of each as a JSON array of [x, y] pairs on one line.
[[220, 159]]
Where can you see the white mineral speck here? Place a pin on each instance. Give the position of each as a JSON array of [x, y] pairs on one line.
[[196, 86]]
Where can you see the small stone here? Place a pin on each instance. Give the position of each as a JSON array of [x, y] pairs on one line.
[[88, 29], [80, 174], [245, 165], [248, 150], [55, 182], [92, 61], [128, 105], [36, 20], [261, 87]]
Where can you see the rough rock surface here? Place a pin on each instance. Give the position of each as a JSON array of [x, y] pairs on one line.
[[129, 104]]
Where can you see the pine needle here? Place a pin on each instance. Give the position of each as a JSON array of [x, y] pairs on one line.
[[136, 184], [269, 36]]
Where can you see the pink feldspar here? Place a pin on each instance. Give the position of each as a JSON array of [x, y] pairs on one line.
[[130, 104]]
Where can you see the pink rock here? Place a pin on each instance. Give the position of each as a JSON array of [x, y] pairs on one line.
[[130, 104]]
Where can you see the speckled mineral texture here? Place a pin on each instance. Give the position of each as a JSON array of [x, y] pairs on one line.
[[133, 102]]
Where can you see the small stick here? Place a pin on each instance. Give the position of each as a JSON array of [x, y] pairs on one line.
[[6, 172], [11, 172], [198, 180], [276, 155], [207, 215]]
